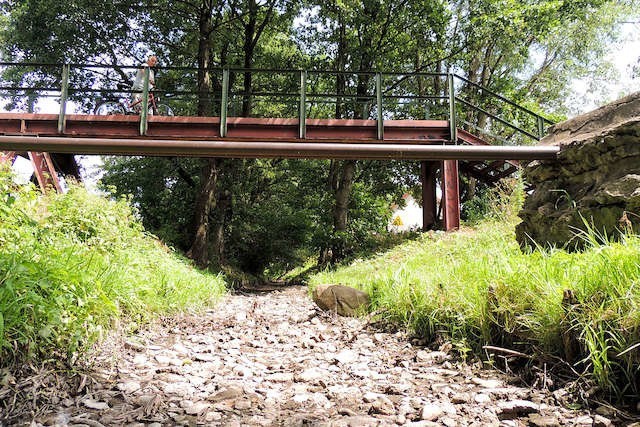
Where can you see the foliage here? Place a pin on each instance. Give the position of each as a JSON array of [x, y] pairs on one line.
[[476, 287], [502, 201], [73, 265], [159, 191], [279, 208]]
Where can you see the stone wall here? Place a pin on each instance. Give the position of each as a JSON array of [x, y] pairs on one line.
[[596, 178]]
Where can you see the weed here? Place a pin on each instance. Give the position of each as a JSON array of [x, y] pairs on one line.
[[478, 288], [71, 265]]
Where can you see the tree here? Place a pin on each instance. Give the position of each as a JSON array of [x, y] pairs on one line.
[[371, 35], [531, 51]]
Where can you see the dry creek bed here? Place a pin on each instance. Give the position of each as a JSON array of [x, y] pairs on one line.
[[274, 359]]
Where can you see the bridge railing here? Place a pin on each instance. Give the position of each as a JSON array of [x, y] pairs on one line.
[[289, 93]]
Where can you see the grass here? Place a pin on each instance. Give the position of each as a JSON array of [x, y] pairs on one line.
[[476, 287], [74, 265]]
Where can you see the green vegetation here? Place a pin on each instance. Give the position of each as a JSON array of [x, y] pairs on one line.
[[476, 287], [72, 266]]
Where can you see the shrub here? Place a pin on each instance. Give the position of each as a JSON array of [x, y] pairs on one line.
[[72, 264]]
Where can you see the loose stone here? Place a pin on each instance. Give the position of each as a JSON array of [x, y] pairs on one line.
[[288, 363]]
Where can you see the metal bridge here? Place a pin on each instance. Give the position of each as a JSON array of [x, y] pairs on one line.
[[455, 126]]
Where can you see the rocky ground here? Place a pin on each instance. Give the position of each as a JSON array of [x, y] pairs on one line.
[[274, 359]]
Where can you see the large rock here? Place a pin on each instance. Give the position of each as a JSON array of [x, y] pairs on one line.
[[343, 300], [594, 184]]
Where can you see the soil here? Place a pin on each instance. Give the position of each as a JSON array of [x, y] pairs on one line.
[[275, 359]]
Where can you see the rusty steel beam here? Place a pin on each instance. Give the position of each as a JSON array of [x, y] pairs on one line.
[[7, 156], [470, 138], [44, 171], [175, 127], [451, 195], [402, 150]]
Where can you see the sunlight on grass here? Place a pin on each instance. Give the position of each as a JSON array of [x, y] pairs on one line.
[[476, 287], [73, 265]]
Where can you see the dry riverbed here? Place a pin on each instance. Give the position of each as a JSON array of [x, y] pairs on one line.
[[275, 359]]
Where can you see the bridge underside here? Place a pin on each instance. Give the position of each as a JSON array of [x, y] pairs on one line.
[[428, 141]]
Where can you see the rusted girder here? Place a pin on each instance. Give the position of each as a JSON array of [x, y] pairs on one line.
[[451, 194], [206, 128], [44, 171], [399, 149]]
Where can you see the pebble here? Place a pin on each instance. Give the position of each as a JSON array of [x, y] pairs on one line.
[[431, 412], [346, 357], [274, 359], [482, 398]]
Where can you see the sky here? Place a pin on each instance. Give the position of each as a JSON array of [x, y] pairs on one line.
[[624, 57]]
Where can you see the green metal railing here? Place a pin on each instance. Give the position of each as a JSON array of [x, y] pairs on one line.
[[302, 93]]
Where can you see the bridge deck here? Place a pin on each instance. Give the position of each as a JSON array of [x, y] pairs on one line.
[[252, 137], [238, 128], [273, 137]]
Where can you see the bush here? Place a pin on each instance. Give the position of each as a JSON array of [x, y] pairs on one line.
[[476, 287], [71, 265]]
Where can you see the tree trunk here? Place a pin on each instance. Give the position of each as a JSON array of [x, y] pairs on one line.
[[221, 216], [341, 208], [362, 108], [341, 81], [342, 194], [206, 199], [248, 48], [205, 203], [205, 23], [485, 76]]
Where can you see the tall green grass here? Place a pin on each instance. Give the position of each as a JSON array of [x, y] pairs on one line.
[[476, 287], [74, 265]]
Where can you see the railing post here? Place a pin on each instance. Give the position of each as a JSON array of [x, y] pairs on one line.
[[224, 102], [144, 114], [453, 130], [541, 131], [379, 104], [302, 118], [64, 93]]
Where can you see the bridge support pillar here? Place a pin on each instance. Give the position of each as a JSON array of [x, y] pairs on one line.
[[428, 175], [451, 195], [44, 171]]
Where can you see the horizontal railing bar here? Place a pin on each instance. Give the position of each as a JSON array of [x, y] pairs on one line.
[[434, 97], [29, 64], [22, 95], [231, 69], [502, 98], [345, 95], [504, 122], [287, 94], [417, 74], [33, 89]]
